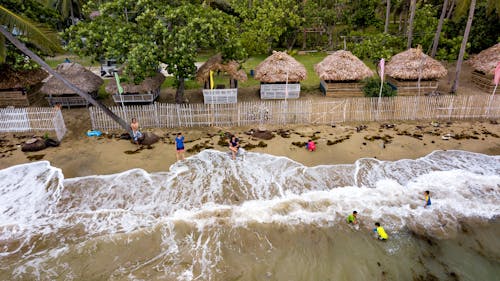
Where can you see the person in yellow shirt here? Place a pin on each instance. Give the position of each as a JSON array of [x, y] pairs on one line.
[[382, 235]]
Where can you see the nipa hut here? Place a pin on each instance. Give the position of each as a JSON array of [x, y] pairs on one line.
[[145, 92], [484, 65], [219, 94], [405, 69], [280, 75], [79, 76], [19, 88], [340, 74]]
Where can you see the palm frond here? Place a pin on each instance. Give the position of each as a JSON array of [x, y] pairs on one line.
[[65, 7], [3, 49], [493, 6], [42, 37], [462, 8]]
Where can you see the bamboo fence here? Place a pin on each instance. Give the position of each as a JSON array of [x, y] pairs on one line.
[[31, 119], [160, 115]]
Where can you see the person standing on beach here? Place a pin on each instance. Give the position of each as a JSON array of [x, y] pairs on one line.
[[382, 235], [136, 134], [352, 219], [234, 145], [427, 199], [179, 146], [311, 146]]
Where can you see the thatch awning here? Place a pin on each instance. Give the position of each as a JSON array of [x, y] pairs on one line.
[[75, 73], [147, 85], [278, 66], [412, 63], [487, 60], [216, 63], [11, 79], [342, 66]]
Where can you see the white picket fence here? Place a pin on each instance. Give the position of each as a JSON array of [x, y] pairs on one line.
[[31, 119], [330, 111]]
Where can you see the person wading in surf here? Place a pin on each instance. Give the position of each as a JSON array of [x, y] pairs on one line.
[[427, 199], [179, 146], [352, 219], [382, 235]]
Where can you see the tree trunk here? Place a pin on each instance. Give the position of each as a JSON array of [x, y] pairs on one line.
[[450, 11], [413, 7], [179, 93], [387, 16], [463, 46], [71, 13], [58, 76], [438, 31]]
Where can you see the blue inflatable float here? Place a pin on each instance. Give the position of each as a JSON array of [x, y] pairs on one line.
[[94, 133]]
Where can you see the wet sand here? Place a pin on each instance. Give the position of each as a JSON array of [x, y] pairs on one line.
[[79, 155]]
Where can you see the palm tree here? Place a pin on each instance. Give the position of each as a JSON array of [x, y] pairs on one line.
[[413, 7], [46, 41], [387, 15], [65, 7], [460, 59], [493, 5], [439, 28]]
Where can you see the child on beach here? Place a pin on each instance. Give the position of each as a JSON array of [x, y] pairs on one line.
[[179, 146], [234, 145], [352, 219], [311, 145], [382, 235], [427, 199]]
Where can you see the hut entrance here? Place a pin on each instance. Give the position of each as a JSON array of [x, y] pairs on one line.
[[221, 80]]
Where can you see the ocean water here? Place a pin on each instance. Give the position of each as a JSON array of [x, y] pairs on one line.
[[260, 217]]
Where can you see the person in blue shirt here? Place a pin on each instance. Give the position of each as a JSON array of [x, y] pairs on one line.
[[427, 199], [179, 146]]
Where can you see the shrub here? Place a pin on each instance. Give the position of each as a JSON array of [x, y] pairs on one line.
[[372, 88]]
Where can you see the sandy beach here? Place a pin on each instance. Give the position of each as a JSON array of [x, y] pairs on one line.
[[343, 143]]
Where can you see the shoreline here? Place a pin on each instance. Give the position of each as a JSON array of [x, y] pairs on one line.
[[79, 155]]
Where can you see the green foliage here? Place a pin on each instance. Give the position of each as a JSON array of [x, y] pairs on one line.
[[376, 46], [153, 32], [264, 22], [363, 14], [372, 88], [425, 25], [449, 48]]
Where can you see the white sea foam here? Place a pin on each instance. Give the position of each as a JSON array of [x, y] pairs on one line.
[[210, 187]]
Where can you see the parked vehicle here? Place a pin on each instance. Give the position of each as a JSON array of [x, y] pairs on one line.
[[109, 67]]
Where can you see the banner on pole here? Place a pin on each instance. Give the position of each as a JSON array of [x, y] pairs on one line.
[[496, 79], [211, 80], [381, 66], [120, 89]]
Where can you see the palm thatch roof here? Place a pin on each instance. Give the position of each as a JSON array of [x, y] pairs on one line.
[[412, 63], [11, 79], [216, 63], [75, 73], [147, 85], [278, 66], [486, 61], [342, 66]]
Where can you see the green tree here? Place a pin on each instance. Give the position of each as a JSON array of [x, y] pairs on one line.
[[67, 8], [143, 34], [264, 22], [46, 40]]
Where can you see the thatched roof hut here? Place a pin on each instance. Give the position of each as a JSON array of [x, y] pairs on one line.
[[278, 66], [216, 63], [148, 85], [486, 61], [78, 75], [342, 66], [412, 63], [11, 79]]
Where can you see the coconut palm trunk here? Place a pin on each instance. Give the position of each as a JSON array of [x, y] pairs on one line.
[[47, 68], [413, 7], [460, 59], [387, 16], [439, 28]]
